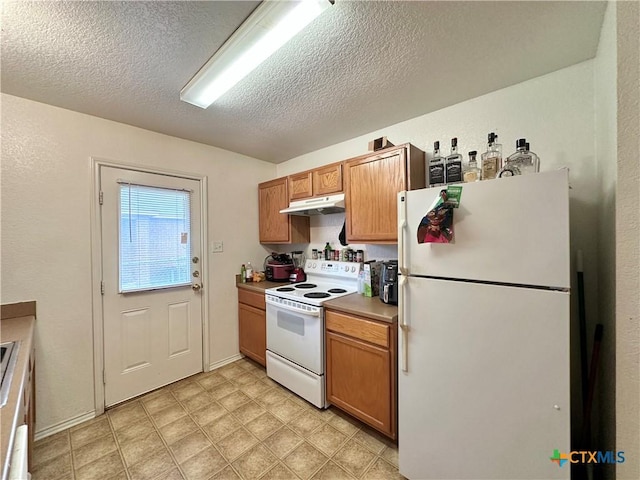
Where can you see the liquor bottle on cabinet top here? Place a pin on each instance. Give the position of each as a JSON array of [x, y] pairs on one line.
[[471, 172], [436, 167], [453, 164], [491, 159], [521, 162], [534, 158]]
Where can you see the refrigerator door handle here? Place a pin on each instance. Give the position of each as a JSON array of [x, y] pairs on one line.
[[402, 223], [404, 328]]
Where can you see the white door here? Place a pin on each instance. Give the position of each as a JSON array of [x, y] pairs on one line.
[[152, 309], [485, 393], [511, 230]]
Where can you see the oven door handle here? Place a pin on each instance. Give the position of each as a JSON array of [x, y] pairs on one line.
[[311, 313]]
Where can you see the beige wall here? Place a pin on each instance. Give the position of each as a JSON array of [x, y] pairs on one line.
[[603, 417], [46, 243], [556, 114], [628, 241]]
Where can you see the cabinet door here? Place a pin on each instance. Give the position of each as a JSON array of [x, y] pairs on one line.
[[274, 226], [359, 380], [253, 333], [327, 180], [300, 186], [372, 186]]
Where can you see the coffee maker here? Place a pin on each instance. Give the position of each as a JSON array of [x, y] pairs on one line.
[[389, 282]]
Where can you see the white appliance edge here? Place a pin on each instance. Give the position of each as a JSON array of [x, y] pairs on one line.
[[484, 373]]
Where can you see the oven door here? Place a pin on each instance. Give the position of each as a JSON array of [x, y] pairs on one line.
[[296, 332]]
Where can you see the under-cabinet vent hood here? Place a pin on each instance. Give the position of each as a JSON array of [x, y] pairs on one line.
[[317, 206]]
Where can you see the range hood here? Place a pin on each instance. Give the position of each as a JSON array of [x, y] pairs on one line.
[[317, 206]]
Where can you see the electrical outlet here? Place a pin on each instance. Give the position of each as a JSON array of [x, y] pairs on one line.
[[216, 247]]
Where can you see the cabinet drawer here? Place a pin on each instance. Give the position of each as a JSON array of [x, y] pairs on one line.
[[251, 298], [367, 330]]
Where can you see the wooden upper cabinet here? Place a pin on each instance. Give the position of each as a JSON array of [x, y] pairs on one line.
[[327, 180], [300, 186], [276, 227], [313, 183], [372, 183]]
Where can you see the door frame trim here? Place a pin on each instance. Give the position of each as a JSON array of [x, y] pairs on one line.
[[96, 266]]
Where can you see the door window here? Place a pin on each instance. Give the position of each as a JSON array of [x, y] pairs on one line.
[[154, 238]]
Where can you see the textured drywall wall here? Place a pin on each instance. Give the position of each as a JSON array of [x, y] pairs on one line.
[[628, 241], [555, 113], [46, 242], [603, 413]]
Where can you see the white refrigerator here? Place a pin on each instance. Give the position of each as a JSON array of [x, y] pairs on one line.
[[483, 381]]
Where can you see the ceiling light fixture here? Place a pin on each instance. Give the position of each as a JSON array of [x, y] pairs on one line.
[[272, 24]]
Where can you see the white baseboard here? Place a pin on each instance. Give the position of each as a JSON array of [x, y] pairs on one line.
[[58, 427], [226, 361]]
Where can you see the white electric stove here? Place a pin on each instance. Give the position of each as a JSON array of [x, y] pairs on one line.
[[295, 326]]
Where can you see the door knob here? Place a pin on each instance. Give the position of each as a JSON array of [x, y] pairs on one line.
[[196, 287]]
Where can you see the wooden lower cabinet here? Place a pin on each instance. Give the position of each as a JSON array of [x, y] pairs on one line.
[[361, 369], [252, 325]]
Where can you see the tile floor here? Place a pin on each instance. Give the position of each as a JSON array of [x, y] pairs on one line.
[[231, 423]]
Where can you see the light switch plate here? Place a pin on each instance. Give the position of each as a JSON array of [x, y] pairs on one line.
[[216, 247]]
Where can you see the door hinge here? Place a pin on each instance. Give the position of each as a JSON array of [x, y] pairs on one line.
[[102, 288], [101, 198], [104, 377]]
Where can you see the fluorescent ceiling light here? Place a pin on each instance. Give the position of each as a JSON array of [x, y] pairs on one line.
[[272, 24]]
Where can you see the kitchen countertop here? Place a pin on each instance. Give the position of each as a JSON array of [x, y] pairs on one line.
[[356, 304], [259, 287], [15, 329], [370, 307]]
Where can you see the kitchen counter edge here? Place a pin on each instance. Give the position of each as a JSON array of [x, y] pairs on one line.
[[259, 287]]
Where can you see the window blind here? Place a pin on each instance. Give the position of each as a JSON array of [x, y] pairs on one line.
[[154, 238]]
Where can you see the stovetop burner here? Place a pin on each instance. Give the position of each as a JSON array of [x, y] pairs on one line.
[[317, 295], [325, 281]]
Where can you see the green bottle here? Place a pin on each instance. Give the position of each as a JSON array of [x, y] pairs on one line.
[[243, 274], [327, 251]]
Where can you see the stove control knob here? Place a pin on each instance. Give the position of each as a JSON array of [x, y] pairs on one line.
[[346, 268], [353, 269], [314, 265]]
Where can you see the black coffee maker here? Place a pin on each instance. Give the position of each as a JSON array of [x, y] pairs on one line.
[[389, 282]]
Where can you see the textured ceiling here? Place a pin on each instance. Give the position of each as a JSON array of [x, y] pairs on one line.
[[359, 67]]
